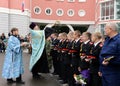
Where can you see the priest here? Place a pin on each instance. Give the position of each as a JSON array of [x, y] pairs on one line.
[[13, 63], [38, 61]]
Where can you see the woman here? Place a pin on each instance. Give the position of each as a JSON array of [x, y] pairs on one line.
[[13, 64]]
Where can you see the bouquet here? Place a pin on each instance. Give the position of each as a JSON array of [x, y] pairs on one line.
[[80, 79]]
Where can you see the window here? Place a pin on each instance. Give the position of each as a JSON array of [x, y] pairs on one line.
[[107, 10], [119, 26], [37, 10], [102, 28], [60, 12], [48, 11], [70, 12], [71, 0], [82, 0], [81, 13], [118, 9]]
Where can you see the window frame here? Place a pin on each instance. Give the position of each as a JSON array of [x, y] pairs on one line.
[[82, 15], [61, 10], [39, 9], [50, 9], [72, 14]]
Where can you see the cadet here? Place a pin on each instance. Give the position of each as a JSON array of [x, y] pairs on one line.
[[70, 73], [63, 56], [54, 53], [48, 50], [93, 59], [84, 52], [59, 48], [75, 51]]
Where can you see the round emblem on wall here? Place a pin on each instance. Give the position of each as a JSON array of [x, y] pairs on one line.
[[37, 10], [48, 11], [81, 13], [59, 12], [70, 12]]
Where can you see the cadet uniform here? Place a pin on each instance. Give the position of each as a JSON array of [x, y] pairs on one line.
[[48, 49], [54, 53], [63, 60], [111, 72], [95, 79], [70, 72], [75, 56], [84, 66], [59, 48]]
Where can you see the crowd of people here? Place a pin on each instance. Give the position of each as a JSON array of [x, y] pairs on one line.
[[76, 53], [96, 58], [91, 56]]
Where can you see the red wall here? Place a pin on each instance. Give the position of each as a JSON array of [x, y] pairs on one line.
[[88, 6], [14, 4]]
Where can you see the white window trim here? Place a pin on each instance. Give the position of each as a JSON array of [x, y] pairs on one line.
[[68, 12], [71, 1], [105, 12], [61, 10], [37, 7], [60, 0], [104, 1], [115, 10], [50, 9], [82, 0]]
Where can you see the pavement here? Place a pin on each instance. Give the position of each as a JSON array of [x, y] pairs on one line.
[[48, 80]]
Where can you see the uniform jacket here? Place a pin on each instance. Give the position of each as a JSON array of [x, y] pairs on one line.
[[110, 48]]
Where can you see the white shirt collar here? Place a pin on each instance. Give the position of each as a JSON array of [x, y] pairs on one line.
[[86, 42], [60, 40], [77, 40], [95, 44]]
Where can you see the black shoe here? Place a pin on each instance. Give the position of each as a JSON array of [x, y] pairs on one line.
[[37, 76], [60, 81], [10, 81], [20, 82], [54, 73]]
